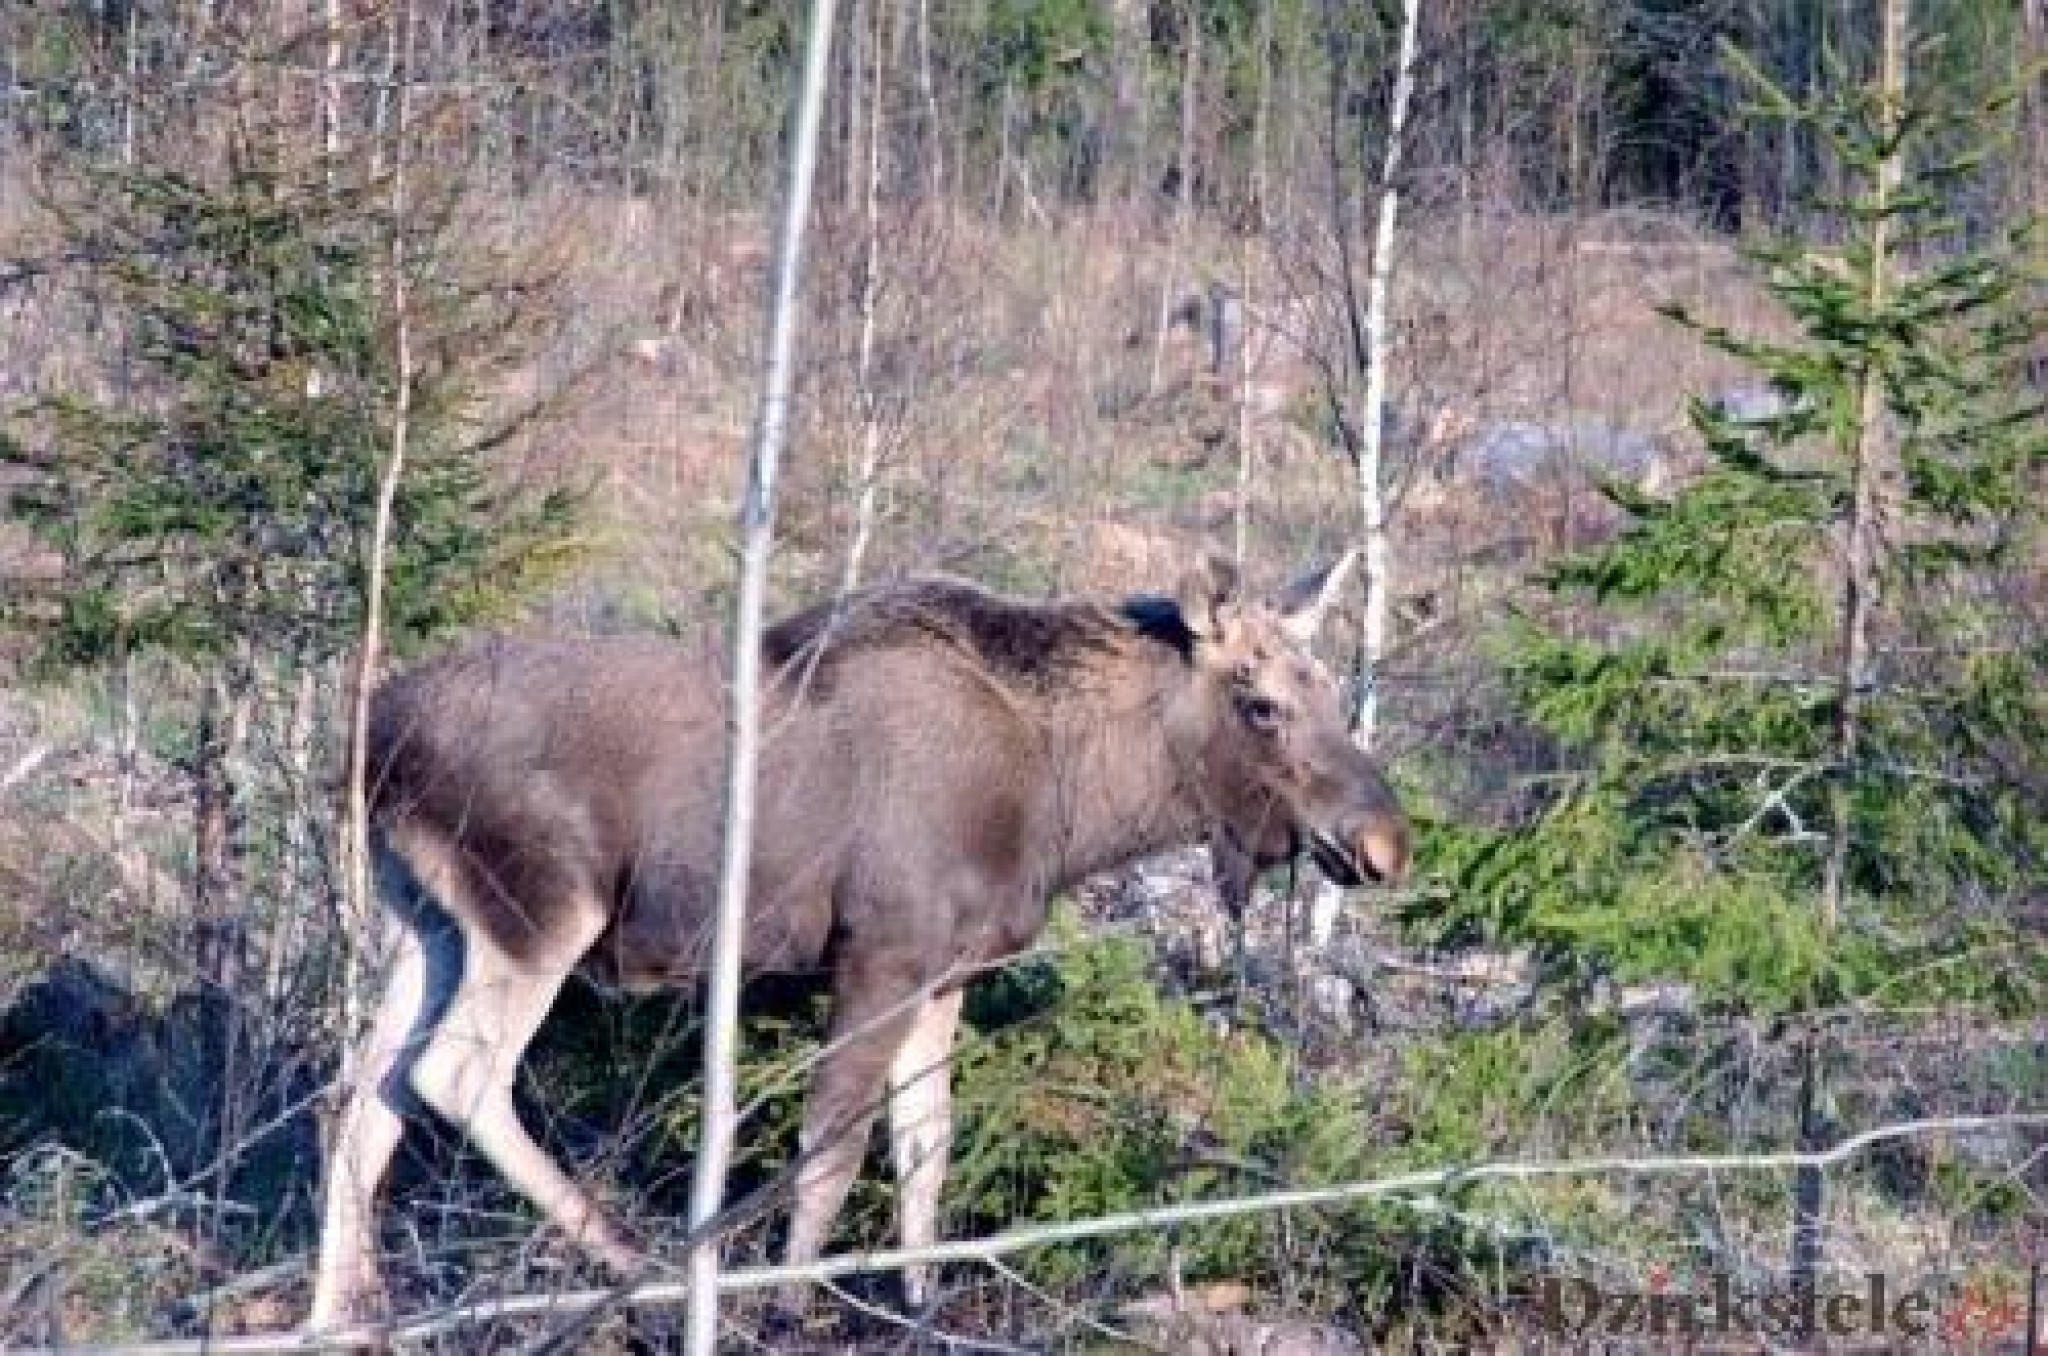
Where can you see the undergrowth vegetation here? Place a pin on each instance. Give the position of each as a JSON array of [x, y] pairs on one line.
[[1717, 689]]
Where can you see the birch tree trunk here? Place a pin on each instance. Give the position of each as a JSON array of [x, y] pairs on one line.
[[868, 470], [757, 538], [1372, 493], [330, 85]]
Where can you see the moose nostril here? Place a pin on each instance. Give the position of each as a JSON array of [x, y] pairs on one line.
[[1382, 845]]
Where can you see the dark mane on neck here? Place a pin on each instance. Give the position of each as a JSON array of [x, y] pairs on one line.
[[1031, 643]]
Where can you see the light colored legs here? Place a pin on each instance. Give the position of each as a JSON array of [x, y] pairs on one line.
[[1323, 912], [461, 1057], [889, 1045], [921, 1131], [846, 1092], [466, 1070], [365, 1137], [909, 1055]]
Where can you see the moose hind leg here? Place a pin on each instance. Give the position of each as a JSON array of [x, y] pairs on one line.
[[465, 1071], [921, 1131], [365, 1136]]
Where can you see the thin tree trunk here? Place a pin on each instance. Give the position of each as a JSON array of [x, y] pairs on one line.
[[330, 85], [131, 62], [127, 740], [1859, 583], [357, 891], [1859, 601], [1809, 1183], [757, 539], [855, 122], [1336, 99], [868, 472], [1183, 205], [1262, 123], [221, 933], [2033, 167], [223, 714], [1130, 54], [1372, 494], [302, 872], [380, 106], [1003, 149], [935, 137], [1247, 451]]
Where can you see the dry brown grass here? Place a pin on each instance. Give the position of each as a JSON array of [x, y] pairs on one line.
[[1013, 375], [1013, 384]]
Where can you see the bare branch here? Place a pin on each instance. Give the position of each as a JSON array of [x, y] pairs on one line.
[[1075, 1231]]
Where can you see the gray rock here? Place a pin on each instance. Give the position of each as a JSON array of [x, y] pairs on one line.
[[1751, 404], [1511, 454]]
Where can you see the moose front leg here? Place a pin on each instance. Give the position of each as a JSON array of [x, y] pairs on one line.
[[1236, 877], [876, 1003], [921, 1132]]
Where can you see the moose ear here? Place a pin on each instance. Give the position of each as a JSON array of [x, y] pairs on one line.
[[1305, 602], [1202, 593]]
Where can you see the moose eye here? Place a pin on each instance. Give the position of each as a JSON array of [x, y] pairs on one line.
[[1260, 713]]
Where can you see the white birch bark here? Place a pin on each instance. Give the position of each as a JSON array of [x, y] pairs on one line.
[[1372, 491], [868, 471], [330, 84], [1372, 495], [757, 535]]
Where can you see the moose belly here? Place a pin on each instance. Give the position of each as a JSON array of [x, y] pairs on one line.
[[661, 934]]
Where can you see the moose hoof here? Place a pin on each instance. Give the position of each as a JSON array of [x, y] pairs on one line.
[[362, 1303], [322, 1330], [782, 1323], [651, 1331], [917, 1298]]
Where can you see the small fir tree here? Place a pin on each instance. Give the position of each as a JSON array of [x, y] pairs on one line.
[[1798, 696], [215, 503], [220, 505]]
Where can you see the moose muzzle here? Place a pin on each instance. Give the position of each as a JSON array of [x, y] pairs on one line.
[[1373, 847]]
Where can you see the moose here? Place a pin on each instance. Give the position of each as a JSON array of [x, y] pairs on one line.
[[938, 760]]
